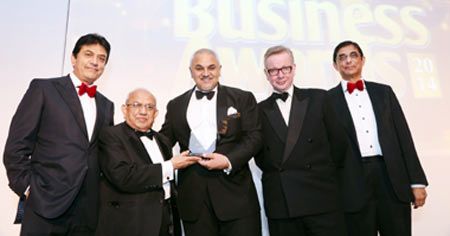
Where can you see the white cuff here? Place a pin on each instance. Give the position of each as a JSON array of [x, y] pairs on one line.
[[167, 171], [229, 169], [418, 186]]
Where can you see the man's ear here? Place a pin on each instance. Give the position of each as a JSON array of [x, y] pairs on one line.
[[124, 110]]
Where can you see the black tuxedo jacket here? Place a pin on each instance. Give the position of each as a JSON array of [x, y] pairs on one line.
[[396, 143], [48, 148], [234, 195], [131, 192], [300, 162]]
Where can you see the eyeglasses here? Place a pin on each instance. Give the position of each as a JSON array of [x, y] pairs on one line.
[[138, 106], [276, 71], [344, 57]]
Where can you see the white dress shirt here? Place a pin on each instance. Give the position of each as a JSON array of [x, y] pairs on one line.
[[363, 116], [88, 105], [167, 168], [285, 106], [201, 116], [364, 120]]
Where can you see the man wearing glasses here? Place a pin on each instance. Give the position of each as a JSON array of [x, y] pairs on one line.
[[135, 188], [303, 145], [382, 175]]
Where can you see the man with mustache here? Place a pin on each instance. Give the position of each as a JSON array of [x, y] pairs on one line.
[[51, 152], [382, 175]]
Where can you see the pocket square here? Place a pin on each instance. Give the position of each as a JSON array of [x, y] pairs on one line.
[[232, 114], [231, 110]]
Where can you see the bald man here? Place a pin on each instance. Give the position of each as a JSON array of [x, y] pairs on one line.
[[135, 188], [216, 196]]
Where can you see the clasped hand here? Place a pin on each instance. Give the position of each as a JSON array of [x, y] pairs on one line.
[[211, 161], [214, 161]]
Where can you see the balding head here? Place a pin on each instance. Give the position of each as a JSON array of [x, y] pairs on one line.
[[140, 109]]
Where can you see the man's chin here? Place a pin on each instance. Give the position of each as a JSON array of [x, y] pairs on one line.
[[207, 88]]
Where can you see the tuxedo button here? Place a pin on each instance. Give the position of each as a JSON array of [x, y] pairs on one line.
[[310, 140], [307, 166], [280, 169]]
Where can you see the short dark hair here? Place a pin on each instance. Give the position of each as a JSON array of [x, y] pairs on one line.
[[345, 44], [90, 39]]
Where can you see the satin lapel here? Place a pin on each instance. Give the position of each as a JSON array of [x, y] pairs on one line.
[[377, 104], [221, 108], [344, 113], [182, 117], [163, 148], [100, 116], [67, 91], [275, 119], [297, 116], [136, 143]]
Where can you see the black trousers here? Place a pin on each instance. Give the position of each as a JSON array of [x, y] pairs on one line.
[[209, 225], [170, 223], [326, 224], [384, 213], [76, 221]]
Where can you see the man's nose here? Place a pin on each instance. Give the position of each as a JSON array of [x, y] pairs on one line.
[[143, 110], [205, 73], [94, 61]]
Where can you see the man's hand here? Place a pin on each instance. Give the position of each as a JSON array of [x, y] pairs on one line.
[[214, 161], [184, 160], [420, 194]]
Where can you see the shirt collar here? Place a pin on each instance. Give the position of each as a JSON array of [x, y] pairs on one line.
[[213, 90], [290, 90], [76, 81]]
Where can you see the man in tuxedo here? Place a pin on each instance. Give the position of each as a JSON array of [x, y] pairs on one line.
[[51, 151], [303, 145], [217, 196], [382, 174], [135, 190]]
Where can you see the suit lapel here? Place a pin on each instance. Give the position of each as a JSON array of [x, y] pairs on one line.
[[377, 104], [67, 91], [344, 113], [221, 106], [275, 119], [100, 103], [181, 119], [299, 107], [163, 148], [136, 143]]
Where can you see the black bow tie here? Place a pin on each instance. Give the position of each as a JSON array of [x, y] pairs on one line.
[[148, 134], [282, 96], [199, 94]]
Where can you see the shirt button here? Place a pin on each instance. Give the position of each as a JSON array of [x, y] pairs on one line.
[[364, 118], [367, 131]]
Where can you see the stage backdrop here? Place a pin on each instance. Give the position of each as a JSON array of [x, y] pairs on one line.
[[405, 43]]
